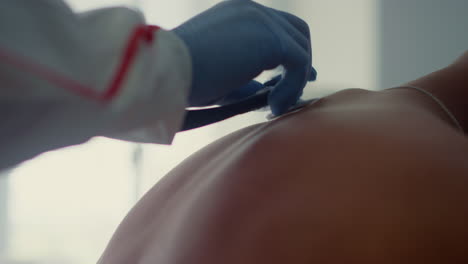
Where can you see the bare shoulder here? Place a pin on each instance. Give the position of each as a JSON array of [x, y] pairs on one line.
[[358, 171], [357, 177], [360, 176]]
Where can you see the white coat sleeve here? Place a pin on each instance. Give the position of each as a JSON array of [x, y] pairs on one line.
[[66, 77]]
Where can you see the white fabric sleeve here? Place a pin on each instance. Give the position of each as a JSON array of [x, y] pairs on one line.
[[55, 65]]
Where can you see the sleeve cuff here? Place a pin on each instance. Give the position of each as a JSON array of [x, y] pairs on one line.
[[151, 105]]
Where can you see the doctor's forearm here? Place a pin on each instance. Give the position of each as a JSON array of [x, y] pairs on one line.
[[450, 85]]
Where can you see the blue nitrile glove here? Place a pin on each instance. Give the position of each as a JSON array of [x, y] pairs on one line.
[[241, 93], [234, 41]]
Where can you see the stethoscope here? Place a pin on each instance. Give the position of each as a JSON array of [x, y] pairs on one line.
[[203, 117]]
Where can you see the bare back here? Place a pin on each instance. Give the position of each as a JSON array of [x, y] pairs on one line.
[[358, 177]]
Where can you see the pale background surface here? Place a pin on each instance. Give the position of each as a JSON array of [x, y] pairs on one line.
[[63, 206], [419, 36]]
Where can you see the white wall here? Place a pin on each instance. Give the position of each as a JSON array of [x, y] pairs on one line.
[[344, 42], [4, 184], [419, 36]]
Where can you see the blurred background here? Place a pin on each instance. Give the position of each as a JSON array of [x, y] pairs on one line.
[[63, 206]]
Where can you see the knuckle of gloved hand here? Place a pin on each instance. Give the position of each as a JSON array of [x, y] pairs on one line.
[[300, 24], [306, 30], [297, 61], [304, 26], [251, 9]]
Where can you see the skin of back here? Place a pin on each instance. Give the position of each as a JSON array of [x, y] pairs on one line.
[[358, 177]]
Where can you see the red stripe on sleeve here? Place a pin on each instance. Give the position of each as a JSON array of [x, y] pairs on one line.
[[141, 33]]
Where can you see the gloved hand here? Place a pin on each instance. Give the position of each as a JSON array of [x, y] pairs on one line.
[[234, 41]]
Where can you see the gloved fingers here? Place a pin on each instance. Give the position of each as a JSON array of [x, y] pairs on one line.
[[273, 81], [313, 74], [293, 26], [245, 91], [296, 63], [299, 30], [303, 27], [287, 91], [300, 24], [291, 52], [277, 78]]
